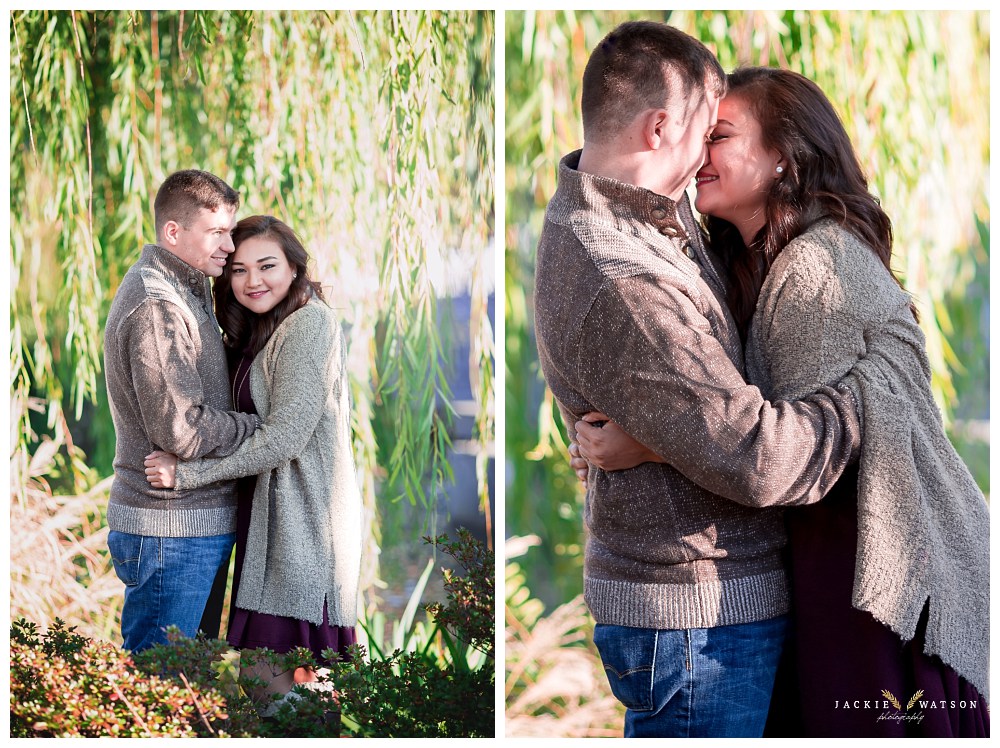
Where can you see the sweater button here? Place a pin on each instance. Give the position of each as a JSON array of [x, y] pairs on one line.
[[689, 251], [659, 214]]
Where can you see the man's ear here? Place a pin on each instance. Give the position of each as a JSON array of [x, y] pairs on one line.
[[169, 233], [655, 124]]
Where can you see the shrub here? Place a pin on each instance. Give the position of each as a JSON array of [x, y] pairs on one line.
[[66, 685], [469, 613], [412, 693], [407, 694]]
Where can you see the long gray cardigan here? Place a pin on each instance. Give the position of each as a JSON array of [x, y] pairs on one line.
[[304, 544], [828, 307]]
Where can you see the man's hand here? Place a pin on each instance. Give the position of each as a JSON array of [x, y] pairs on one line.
[[161, 468], [603, 443]]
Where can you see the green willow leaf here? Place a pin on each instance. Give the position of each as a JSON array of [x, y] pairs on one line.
[[333, 121]]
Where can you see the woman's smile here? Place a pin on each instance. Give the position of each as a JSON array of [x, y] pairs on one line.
[[261, 274]]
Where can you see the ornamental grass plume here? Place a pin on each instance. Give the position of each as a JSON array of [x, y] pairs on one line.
[[59, 566]]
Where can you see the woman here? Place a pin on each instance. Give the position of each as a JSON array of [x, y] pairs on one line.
[[298, 543], [889, 573]]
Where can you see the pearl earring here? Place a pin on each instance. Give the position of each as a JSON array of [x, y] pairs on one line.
[[779, 169]]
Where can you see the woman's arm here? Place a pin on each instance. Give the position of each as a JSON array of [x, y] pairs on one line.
[[306, 365], [824, 295]]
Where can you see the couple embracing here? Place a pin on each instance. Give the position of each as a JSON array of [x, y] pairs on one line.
[[773, 507], [240, 437]]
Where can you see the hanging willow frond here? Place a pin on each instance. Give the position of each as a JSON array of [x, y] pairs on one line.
[[368, 132]]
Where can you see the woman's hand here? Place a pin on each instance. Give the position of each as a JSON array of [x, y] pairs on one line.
[[608, 447], [161, 468], [580, 466]]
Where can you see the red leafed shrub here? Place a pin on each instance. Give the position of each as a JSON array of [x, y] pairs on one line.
[[65, 685]]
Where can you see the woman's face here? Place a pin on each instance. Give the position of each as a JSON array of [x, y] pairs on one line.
[[261, 274], [733, 183]]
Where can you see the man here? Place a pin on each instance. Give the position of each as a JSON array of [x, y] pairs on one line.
[[168, 387], [682, 571]]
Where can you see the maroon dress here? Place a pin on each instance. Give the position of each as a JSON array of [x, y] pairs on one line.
[[249, 629], [838, 660]]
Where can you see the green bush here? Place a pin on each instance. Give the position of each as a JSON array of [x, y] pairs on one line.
[[468, 614], [408, 694], [66, 685]]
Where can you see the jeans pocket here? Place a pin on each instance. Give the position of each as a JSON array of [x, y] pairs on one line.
[[126, 551], [629, 655]]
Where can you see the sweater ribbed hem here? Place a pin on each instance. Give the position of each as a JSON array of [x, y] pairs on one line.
[[170, 523], [688, 606]]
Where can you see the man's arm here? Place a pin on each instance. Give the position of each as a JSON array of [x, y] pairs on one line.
[[653, 365], [161, 355]]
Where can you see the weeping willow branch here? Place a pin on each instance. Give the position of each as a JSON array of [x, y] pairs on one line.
[[347, 125]]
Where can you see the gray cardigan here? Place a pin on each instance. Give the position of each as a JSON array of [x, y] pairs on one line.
[[828, 307], [304, 544]]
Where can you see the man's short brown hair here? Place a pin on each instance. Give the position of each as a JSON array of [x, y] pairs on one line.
[[643, 65], [184, 193]]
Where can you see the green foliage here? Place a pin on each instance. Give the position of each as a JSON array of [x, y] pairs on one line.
[[408, 694], [434, 690], [468, 613], [911, 88], [370, 133], [64, 684]]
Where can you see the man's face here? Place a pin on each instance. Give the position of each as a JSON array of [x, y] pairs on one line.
[[207, 242], [692, 149]]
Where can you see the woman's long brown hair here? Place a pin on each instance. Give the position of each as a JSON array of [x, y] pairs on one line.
[[242, 328], [822, 179]]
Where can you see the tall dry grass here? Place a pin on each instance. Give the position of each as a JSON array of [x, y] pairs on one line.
[[59, 565], [555, 684]]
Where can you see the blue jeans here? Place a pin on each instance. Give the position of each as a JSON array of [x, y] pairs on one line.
[[712, 682], [167, 582]]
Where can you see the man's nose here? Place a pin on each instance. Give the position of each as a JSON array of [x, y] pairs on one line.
[[706, 156], [227, 244]]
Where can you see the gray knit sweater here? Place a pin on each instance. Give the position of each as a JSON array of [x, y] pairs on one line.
[[168, 388], [628, 321], [828, 306], [304, 544]]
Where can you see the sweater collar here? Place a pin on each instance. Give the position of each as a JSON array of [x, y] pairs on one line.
[[171, 265], [626, 206]]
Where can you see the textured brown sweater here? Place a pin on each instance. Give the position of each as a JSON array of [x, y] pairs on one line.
[[628, 321], [168, 388], [828, 308]]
